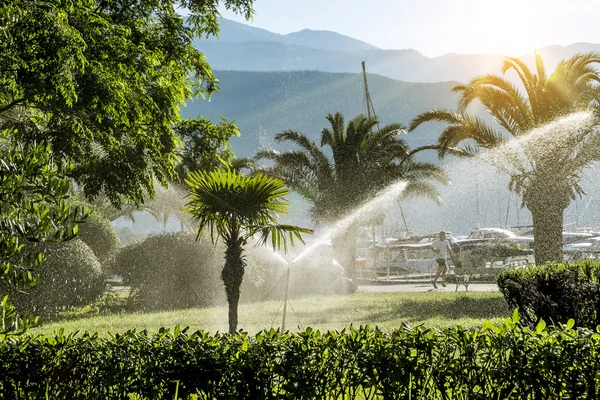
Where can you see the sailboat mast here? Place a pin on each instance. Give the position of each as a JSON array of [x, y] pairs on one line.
[[367, 96]]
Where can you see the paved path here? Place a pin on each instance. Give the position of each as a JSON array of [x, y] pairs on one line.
[[427, 287]]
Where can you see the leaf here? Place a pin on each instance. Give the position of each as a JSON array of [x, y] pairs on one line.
[[540, 326], [570, 324], [515, 316]]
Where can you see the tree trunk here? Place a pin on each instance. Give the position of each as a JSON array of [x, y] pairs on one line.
[[232, 275], [344, 251], [547, 218]]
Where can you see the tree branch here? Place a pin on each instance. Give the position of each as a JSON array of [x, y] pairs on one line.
[[11, 104]]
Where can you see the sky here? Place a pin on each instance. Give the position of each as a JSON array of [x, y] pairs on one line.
[[437, 27]]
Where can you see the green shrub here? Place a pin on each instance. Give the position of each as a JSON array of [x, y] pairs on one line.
[[98, 233], [171, 271], [505, 361], [554, 292], [71, 277]]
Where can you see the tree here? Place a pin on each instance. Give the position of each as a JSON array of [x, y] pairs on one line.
[[363, 161], [235, 207], [542, 154], [33, 208], [204, 145], [101, 82]]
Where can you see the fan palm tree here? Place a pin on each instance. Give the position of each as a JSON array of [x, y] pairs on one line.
[[539, 138], [235, 207], [349, 166]]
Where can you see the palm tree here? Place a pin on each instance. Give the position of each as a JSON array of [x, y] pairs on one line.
[[235, 207], [534, 142], [363, 161]]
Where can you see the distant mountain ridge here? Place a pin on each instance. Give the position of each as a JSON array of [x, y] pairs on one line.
[[242, 47], [235, 32]]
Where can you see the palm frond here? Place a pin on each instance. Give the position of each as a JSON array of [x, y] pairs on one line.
[[446, 116], [295, 137], [226, 201], [279, 234], [421, 190]]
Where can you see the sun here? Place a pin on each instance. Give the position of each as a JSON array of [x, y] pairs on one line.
[[506, 27]]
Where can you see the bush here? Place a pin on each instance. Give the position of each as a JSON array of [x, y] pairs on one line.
[[495, 362], [554, 292], [98, 233], [71, 277], [171, 271]]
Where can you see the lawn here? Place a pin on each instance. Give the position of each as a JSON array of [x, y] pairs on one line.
[[386, 310]]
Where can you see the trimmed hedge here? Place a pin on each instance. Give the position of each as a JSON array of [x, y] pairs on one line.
[[496, 362], [71, 277], [171, 271], [554, 292], [97, 232]]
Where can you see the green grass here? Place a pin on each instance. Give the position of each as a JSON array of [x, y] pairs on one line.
[[386, 310]]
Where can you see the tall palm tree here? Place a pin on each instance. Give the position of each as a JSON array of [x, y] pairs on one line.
[[349, 166], [235, 207], [534, 142]]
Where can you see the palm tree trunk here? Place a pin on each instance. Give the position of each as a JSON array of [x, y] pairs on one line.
[[232, 275], [547, 218]]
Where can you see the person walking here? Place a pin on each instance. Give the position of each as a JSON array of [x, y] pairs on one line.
[[441, 247]]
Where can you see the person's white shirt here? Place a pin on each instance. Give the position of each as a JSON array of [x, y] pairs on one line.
[[441, 248]]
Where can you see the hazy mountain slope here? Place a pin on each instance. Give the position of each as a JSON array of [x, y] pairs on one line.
[[266, 103], [245, 48], [235, 32]]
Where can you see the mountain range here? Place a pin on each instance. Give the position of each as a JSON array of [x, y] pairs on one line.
[[241, 47]]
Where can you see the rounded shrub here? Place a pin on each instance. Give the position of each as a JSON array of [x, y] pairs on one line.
[[171, 271], [554, 293], [98, 233], [70, 277]]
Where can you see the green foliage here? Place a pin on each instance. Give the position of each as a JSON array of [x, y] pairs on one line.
[[555, 293], [234, 206], [33, 208], [102, 83], [170, 272], [494, 362], [70, 277], [205, 145], [99, 235], [363, 161]]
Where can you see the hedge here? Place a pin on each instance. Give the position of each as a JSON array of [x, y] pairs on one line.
[[554, 293], [71, 277], [171, 271], [495, 362]]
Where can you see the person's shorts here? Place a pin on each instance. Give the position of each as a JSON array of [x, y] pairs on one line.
[[441, 263]]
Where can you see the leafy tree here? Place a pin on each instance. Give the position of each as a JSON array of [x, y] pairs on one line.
[[543, 157], [101, 82], [363, 161], [205, 145], [97, 84], [235, 207], [33, 208]]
